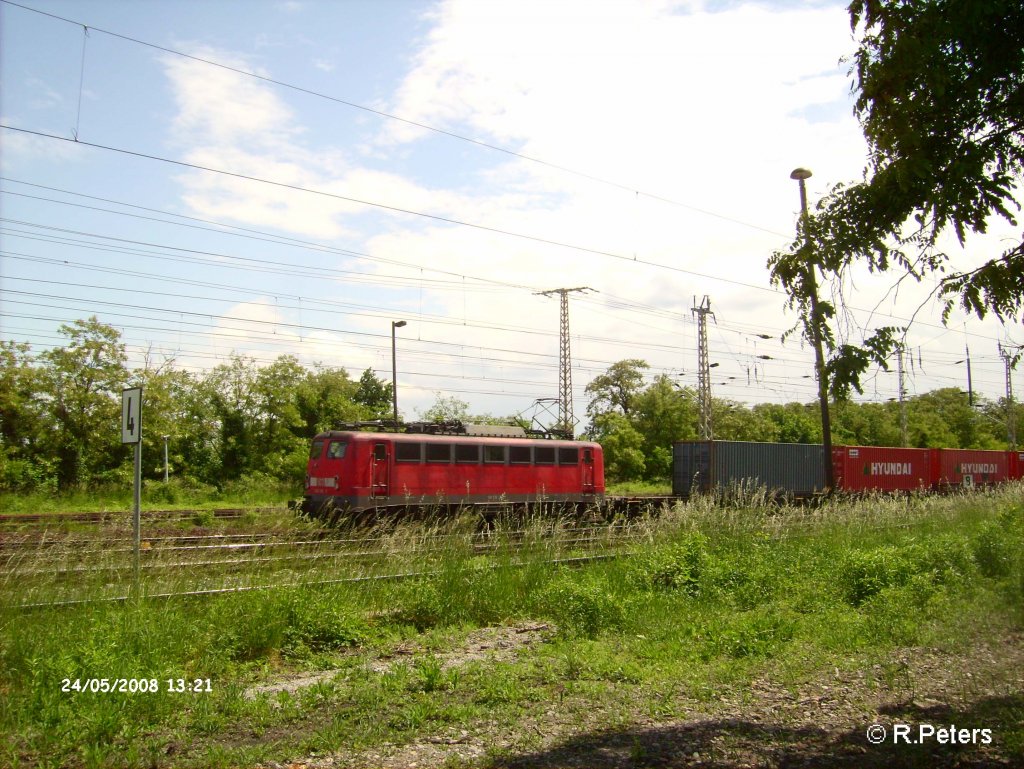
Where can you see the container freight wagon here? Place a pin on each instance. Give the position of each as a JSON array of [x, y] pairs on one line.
[[784, 469], [1016, 467], [881, 468], [969, 467]]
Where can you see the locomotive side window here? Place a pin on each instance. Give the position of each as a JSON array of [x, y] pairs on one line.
[[408, 452], [467, 453], [336, 450], [519, 455], [544, 455], [439, 452], [380, 451], [568, 456], [494, 455], [316, 449]]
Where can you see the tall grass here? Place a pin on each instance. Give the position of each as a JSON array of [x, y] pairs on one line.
[[244, 492], [695, 595]]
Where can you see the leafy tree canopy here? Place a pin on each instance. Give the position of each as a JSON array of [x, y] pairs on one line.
[[617, 388], [939, 88], [940, 96]]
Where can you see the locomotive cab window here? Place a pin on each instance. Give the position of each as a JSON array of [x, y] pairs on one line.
[[336, 450], [494, 455], [439, 452], [544, 455], [519, 455], [408, 452], [316, 449], [568, 456], [380, 451], [467, 453]]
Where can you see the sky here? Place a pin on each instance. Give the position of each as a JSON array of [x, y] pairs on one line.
[[266, 178]]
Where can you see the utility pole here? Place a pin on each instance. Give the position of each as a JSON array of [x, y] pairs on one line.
[[705, 428], [566, 420], [801, 175], [903, 398], [1011, 421], [970, 385]]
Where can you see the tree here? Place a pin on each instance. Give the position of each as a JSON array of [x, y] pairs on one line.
[[944, 418], [616, 389], [374, 395], [623, 445], [182, 406], [939, 97], [940, 101], [446, 409], [283, 448], [734, 421], [21, 419], [81, 384], [793, 422], [232, 394], [867, 424], [326, 399], [663, 414]]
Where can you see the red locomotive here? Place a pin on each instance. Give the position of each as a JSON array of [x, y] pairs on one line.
[[350, 471]]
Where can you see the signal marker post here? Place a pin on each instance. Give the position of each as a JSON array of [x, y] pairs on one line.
[[131, 432]]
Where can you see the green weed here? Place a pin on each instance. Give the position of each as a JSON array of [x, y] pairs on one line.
[[675, 566], [703, 595], [581, 606]]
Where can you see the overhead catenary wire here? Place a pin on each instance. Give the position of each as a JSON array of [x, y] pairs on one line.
[[387, 207], [730, 353], [380, 113]]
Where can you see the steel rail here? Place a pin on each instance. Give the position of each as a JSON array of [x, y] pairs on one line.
[[571, 561]]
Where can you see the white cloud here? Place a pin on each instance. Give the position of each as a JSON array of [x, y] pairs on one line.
[[697, 117]]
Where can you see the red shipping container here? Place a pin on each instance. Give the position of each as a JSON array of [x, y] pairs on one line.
[[969, 467], [881, 468], [1016, 468]]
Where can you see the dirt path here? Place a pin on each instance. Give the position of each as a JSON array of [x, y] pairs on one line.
[[927, 696]]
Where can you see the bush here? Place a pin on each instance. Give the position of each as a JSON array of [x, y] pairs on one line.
[[864, 574], [757, 633], [678, 566], [259, 624], [747, 586], [315, 622], [586, 608], [948, 560], [992, 550], [940, 561]]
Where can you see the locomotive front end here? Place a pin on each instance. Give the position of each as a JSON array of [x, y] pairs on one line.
[[327, 475]]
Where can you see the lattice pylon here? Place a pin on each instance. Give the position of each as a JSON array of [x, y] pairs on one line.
[[566, 419], [704, 427]]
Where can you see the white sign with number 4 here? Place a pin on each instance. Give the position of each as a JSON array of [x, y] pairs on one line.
[[131, 415]]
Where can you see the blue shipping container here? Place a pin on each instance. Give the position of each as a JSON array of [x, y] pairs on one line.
[[706, 466]]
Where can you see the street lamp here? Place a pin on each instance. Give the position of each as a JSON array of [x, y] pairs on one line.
[[394, 371], [801, 175], [970, 386]]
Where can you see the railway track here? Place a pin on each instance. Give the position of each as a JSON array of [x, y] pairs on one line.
[[617, 505], [40, 548], [17, 520]]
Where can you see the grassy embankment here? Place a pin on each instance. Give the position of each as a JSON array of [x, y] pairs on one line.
[[155, 495], [710, 601]]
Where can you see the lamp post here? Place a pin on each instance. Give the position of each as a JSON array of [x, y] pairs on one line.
[[970, 386], [394, 371], [801, 175]]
